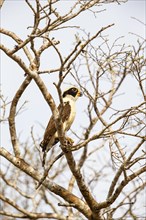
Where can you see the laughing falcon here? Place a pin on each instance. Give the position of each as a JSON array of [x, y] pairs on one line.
[[68, 115]]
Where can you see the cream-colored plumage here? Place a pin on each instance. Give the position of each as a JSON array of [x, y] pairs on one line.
[[71, 100], [68, 115]]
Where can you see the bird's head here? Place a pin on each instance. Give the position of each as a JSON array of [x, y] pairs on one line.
[[73, 92]]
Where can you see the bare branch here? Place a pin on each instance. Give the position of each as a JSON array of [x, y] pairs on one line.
[[12, 115], [58, 190]]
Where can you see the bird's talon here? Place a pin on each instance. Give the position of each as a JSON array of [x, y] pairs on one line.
[[69, 141]]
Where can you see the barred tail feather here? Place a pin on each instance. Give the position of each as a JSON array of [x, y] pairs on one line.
[[43, 145]]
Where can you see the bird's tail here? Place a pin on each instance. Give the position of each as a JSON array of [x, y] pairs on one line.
[[44, 158], [43, 145], [46, 147]]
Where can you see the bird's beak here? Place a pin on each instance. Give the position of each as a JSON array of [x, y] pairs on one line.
[[79, 94]]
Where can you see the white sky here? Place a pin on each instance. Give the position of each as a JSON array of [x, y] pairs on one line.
[[16, 16]]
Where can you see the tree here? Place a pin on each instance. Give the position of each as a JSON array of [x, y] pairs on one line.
[[107, 151]]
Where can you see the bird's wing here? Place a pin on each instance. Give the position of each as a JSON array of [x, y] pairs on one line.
[[49, 133], [66, 111], [51, 129]]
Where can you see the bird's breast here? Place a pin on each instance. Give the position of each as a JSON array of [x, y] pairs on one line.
[[71, 118]]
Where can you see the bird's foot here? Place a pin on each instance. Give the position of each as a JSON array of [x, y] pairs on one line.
[[68, 141]]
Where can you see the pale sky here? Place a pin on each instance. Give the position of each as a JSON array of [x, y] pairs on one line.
[[16, 16]]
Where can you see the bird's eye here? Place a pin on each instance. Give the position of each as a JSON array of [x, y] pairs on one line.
[[74, 89]]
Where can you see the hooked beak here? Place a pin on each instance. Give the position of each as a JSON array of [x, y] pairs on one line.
[[79, 94]]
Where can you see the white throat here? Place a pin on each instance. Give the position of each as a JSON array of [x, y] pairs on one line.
[[69, 98]]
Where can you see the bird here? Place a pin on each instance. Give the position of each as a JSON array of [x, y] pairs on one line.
[[67, 112]]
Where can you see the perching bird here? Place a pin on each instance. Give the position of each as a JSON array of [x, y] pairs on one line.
[[68, 115]]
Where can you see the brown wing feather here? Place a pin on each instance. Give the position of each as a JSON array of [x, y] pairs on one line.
[[66, 112], [49, 132], [51, 129]]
